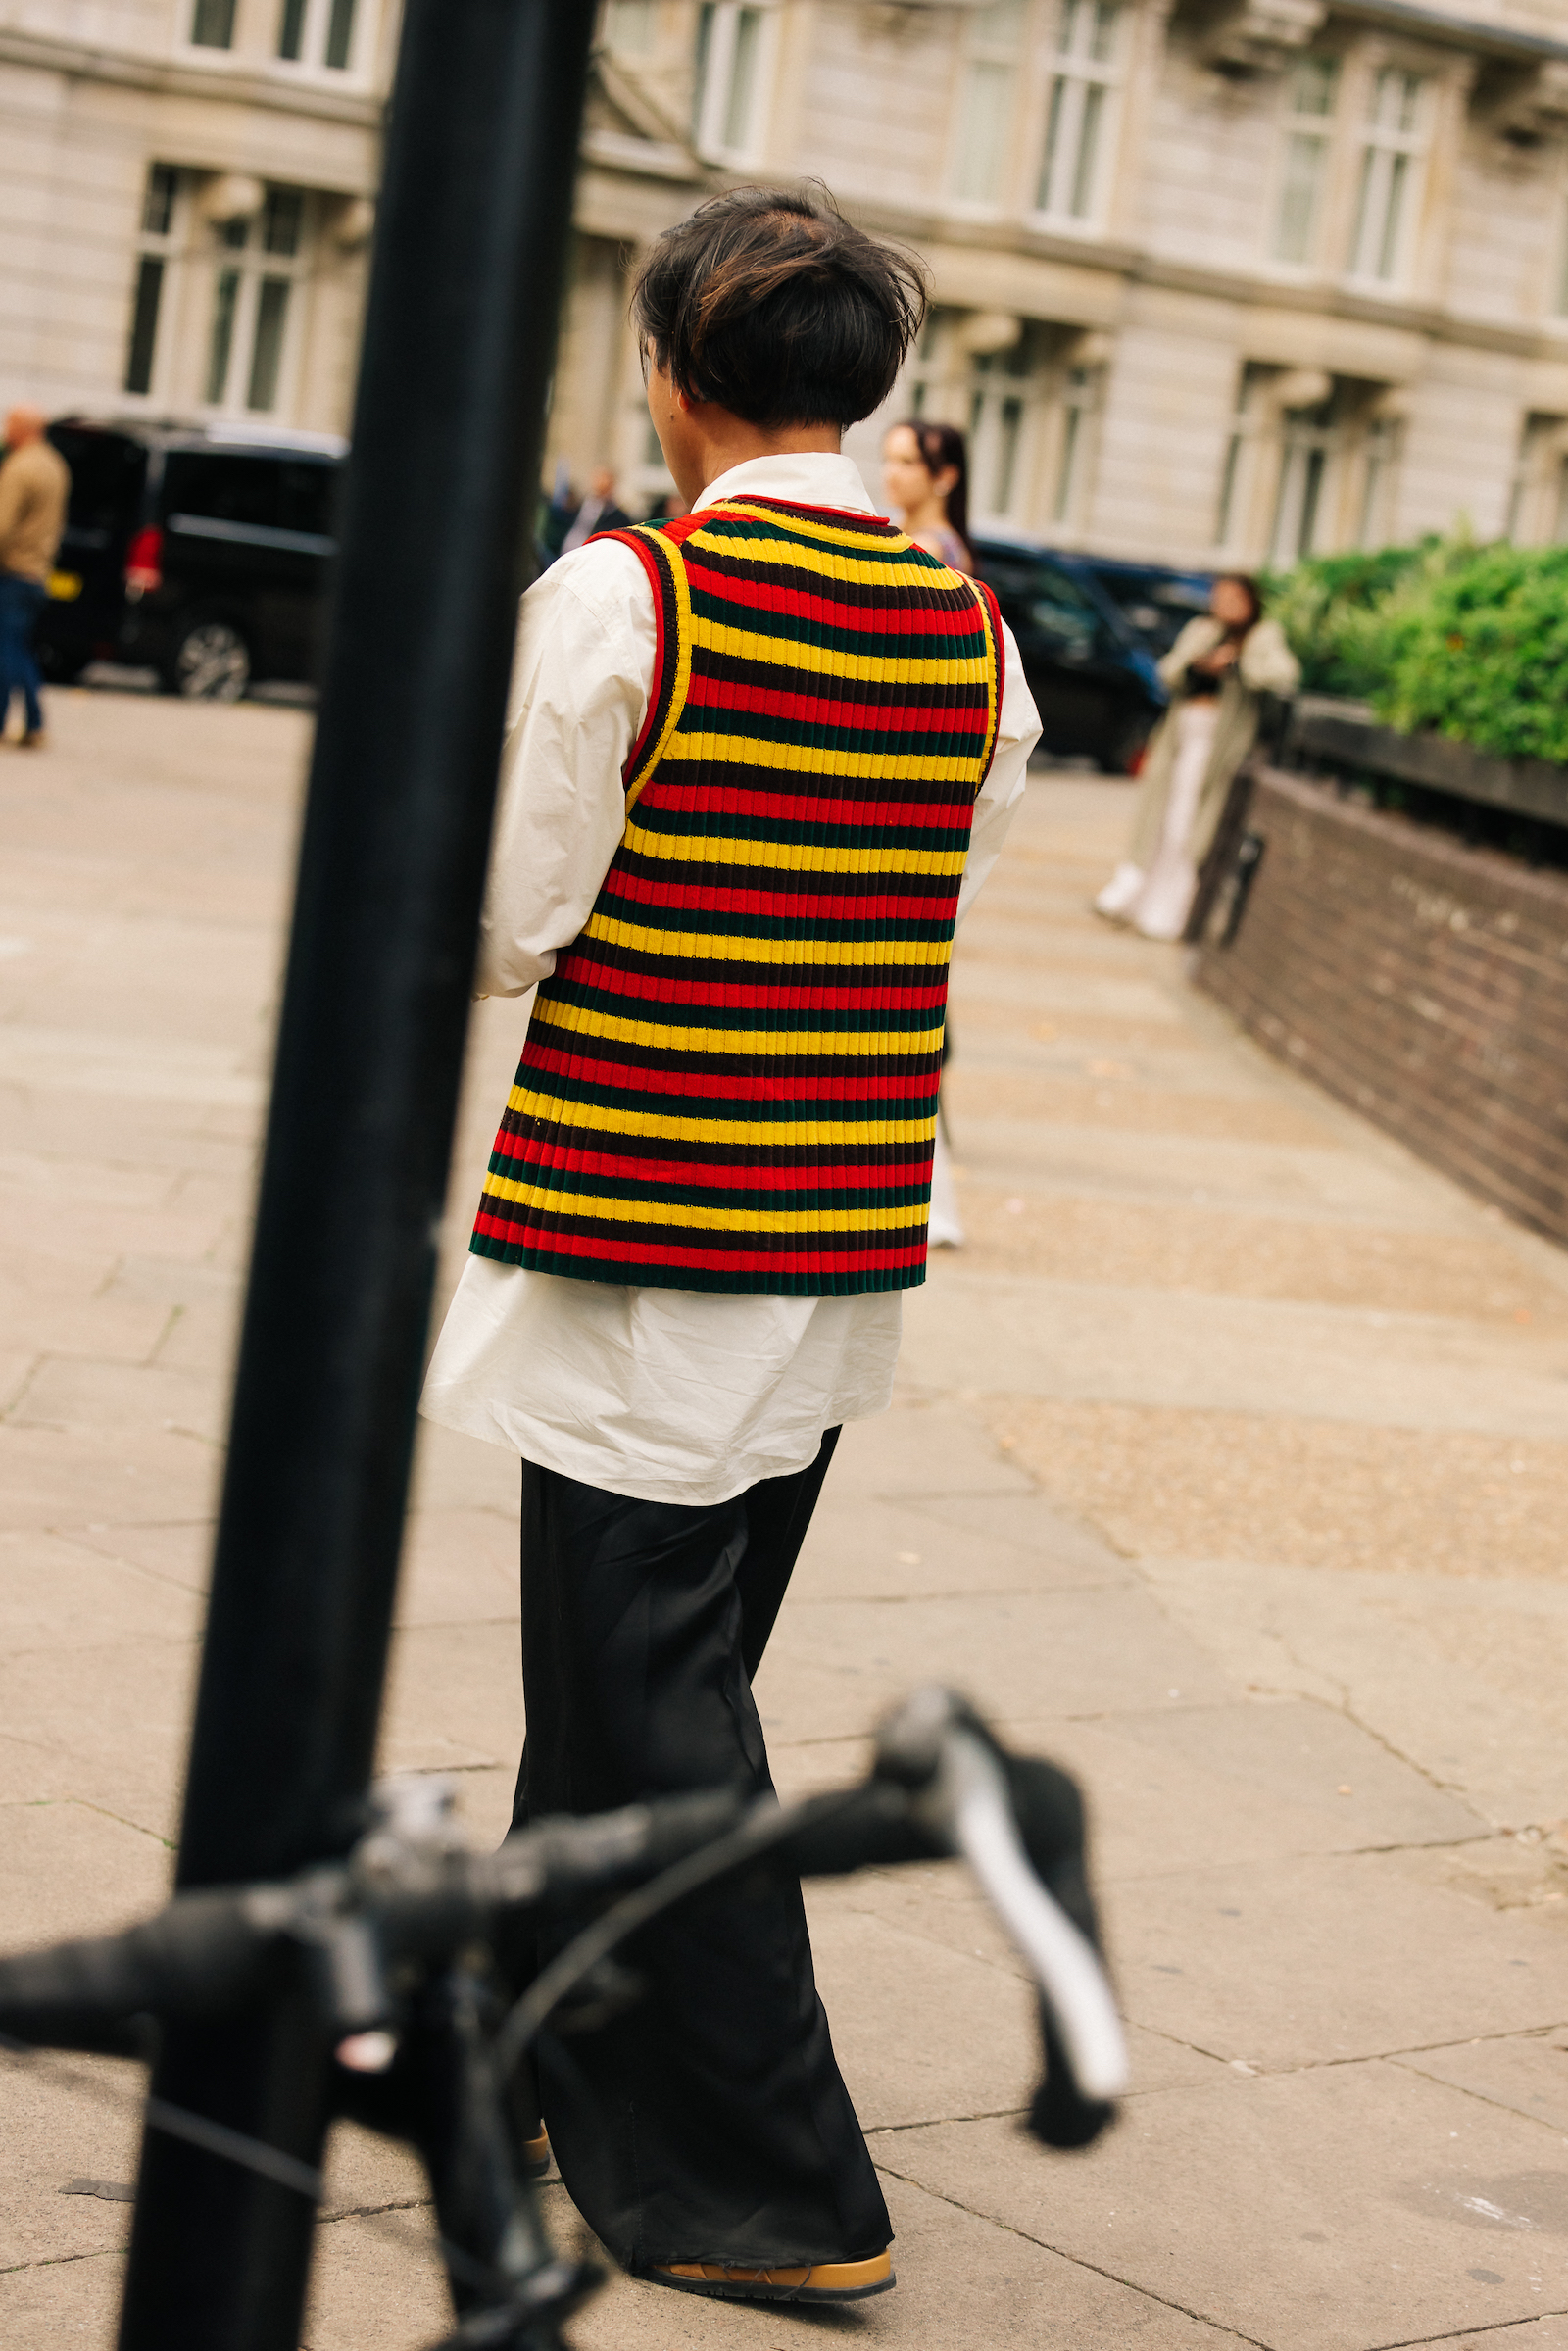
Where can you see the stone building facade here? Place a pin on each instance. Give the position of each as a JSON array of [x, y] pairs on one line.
[[1215, 279]]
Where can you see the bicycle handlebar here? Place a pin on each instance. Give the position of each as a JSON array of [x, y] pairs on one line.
[[410, 1892]]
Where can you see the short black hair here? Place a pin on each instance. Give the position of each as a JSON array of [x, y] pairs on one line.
[[769, 303]]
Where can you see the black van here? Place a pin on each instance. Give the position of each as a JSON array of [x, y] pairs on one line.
[[199, 552], [1097, 688]]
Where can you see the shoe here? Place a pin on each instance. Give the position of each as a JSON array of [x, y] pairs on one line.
[[36, 740], [822, 2282], [536, 2155]]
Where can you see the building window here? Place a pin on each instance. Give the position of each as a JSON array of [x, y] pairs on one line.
[[1078, 109], [1310, 91], [727, 93], [317, 32], [259, 261], [629, 26], [1380, 458], [1392, 144], [1308, 444], [1028, 411], [986, 91], [212, 25], [156, 247]]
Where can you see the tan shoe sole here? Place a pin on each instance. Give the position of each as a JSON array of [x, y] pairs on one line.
[[822, 2282], [536, 2155]]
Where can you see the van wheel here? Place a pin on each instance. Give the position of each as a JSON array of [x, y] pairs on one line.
[[211, 662]]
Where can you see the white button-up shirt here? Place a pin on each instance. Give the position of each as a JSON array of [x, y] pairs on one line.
[[672, 1396]]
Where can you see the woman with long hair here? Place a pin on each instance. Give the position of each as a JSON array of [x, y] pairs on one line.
[[925, 469], [1218, 671]]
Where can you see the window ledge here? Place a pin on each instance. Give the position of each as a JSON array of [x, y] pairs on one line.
[[227, 74]]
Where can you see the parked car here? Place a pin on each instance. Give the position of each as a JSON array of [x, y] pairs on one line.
[[1154, 601], [200, 551], [1097, 687]]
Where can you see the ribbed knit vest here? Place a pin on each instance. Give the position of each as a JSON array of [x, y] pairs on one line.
[[730, 1078]]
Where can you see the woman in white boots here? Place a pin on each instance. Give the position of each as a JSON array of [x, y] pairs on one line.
[[1218, 670]]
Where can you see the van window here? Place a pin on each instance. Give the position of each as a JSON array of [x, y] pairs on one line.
[[309, 487], [225, 488], [107, 472]]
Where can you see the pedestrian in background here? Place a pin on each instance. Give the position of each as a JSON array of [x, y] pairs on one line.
[[34, 493], [1218, 671], [597, 511], [925, 471]]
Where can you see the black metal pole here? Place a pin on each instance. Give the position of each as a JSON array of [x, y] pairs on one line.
[[458, 346]]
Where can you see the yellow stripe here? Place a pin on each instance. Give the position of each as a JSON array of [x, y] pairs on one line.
[[714, 849], [831, 534], [683, 671], [738, 1131], [728, 946], [823, 660], [866, 571], [809, 759], [724, 1220], [993, 664], [667, 1037]]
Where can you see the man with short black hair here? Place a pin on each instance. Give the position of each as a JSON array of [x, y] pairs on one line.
[[758, 760]]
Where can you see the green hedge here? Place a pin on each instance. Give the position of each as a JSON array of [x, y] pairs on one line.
[[1470, 641]]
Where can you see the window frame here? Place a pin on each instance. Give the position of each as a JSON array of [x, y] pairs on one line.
[[1375, 146], [1062, 66], [1327, 130], [721, 27], [163, 249], [255, 269], [315, 30]]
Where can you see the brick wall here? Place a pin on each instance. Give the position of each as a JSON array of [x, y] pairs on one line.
[[1422, 981]]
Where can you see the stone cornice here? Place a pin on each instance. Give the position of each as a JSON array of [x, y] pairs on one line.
[[226, 84]]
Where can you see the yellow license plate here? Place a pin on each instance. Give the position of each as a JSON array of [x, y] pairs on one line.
[[65, 586]]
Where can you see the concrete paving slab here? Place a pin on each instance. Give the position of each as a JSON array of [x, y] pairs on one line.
[[1337, 2210], [1030, 1524], [1481, 1707], [65, 2118], [461, 1567], [454, 1699], [1327, 1958], [834, 1666], [110, 1726], [56, 1593], [877, 1550], [67, 1869], [913, 1450], [1317, 1760], [458, 1473], [179, 1552], [1528, 2073], [1091, 1340], [75, 2301]]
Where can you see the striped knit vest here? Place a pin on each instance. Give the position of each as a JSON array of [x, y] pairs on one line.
[[730, 1079]]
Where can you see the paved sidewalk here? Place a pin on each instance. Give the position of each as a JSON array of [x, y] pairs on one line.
[[1228, 1467]]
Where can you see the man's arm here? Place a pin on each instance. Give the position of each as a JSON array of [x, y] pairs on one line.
[[999, 798], [580, 682], [13, 504]]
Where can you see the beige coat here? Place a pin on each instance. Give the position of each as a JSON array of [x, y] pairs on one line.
[[34, 492], [1266, 665]]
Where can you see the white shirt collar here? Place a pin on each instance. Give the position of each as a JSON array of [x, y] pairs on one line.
[[806, 476]]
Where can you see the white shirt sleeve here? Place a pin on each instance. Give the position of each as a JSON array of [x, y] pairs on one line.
[[583, 671], [997, 802]]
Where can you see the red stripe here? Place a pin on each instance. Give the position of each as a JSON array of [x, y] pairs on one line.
[[582, 970], [816, 604], [672, 898], [528, 1235], [826, 709], [782, 805], [650, 563], [769, 1084], [716, 1175]]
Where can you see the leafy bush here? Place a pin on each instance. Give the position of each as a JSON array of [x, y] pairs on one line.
[[1470, 641]]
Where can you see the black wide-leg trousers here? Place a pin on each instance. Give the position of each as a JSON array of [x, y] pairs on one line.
[[709, 2121]]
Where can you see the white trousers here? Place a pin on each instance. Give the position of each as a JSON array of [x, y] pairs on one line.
[[1157, 903]]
